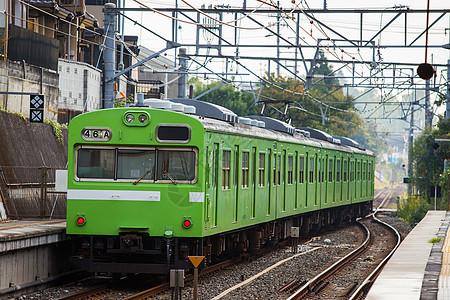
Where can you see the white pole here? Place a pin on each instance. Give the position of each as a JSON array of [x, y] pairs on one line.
[[435, 194]]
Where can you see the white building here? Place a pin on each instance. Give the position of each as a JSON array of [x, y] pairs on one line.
[[80, 88]]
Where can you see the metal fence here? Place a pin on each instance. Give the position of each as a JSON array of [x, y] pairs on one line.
[[29, 192]]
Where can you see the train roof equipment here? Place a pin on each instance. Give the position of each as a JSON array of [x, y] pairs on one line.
[[274, 124], [317, 134], [349, 142], [209, 110]]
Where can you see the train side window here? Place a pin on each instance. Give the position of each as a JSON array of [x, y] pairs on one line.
[[358, 168], [279, 170], [245, 169], [261, 169], [290, 169], [226, 169], [338, 170], [311, 170], [345, 170], [274, 169], [301, 172], [364, 171], [330, 170]]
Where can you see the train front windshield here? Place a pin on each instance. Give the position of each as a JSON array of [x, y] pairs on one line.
[[146, 165]]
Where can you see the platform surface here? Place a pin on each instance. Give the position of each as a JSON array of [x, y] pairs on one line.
[[403, 275], [15, 235]]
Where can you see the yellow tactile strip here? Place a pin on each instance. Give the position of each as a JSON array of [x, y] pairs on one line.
[[30, 224], [444, 276]]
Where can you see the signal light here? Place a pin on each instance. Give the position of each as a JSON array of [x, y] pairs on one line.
[[81, 221], [187, 223]]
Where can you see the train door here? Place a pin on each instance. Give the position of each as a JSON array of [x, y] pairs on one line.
[[253, 183], [274, 184], [280, 183], [314, 179], [296, 180], [337, 181], [345, 185], [269, 181], [330, 180], [312, 182], [237, 170], [358, 178], [208, 180], [212, 195], [284, 181], [301, 182], [307, 189]]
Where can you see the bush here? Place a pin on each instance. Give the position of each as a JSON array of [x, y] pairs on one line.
[[412, 209]]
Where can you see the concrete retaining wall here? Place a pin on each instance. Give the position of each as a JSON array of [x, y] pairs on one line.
[[24, 148], [21, 77]]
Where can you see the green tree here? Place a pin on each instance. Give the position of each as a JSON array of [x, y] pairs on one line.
[[428, 158], [240, 102]]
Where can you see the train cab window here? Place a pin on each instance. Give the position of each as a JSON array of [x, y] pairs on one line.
[[290, 170], [132, 164], [338, 170], [160, 165], [345, 171], [301, 168], [95, 163], [175, 165], [245, 169], [311, 170], [226, 169], [261, 169]]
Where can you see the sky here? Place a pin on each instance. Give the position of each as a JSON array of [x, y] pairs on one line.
[[345, 24]]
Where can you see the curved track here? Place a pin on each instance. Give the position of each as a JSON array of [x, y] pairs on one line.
[[333, 282]]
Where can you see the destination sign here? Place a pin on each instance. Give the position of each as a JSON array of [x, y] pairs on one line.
[[96, 134]]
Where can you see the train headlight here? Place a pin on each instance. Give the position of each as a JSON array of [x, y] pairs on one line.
[[129, 118], [135, 118], [187, 223], [143, 118], [81, 220]]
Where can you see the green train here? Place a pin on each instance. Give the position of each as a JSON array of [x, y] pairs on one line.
[[152, 184]]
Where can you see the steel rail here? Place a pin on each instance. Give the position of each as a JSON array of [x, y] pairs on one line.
[[87, 294], [305, 289], [367, 283]]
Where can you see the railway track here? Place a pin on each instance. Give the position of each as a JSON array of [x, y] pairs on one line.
[[324, 284]]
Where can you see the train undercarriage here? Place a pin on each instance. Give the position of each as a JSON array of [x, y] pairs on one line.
[[134, 252]]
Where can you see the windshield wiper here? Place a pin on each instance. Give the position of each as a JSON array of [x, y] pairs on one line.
[[166, 174], [143, 175]]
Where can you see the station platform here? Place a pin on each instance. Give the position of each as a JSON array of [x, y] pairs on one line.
[[418, 269], [31, 250]]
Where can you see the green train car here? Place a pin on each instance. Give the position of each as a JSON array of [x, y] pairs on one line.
[[148, 187]]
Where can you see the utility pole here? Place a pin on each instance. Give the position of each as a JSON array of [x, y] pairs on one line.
[[428, 113], [182, 80], [109, 57], [447, 111], [278, 42], [411, 141]]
